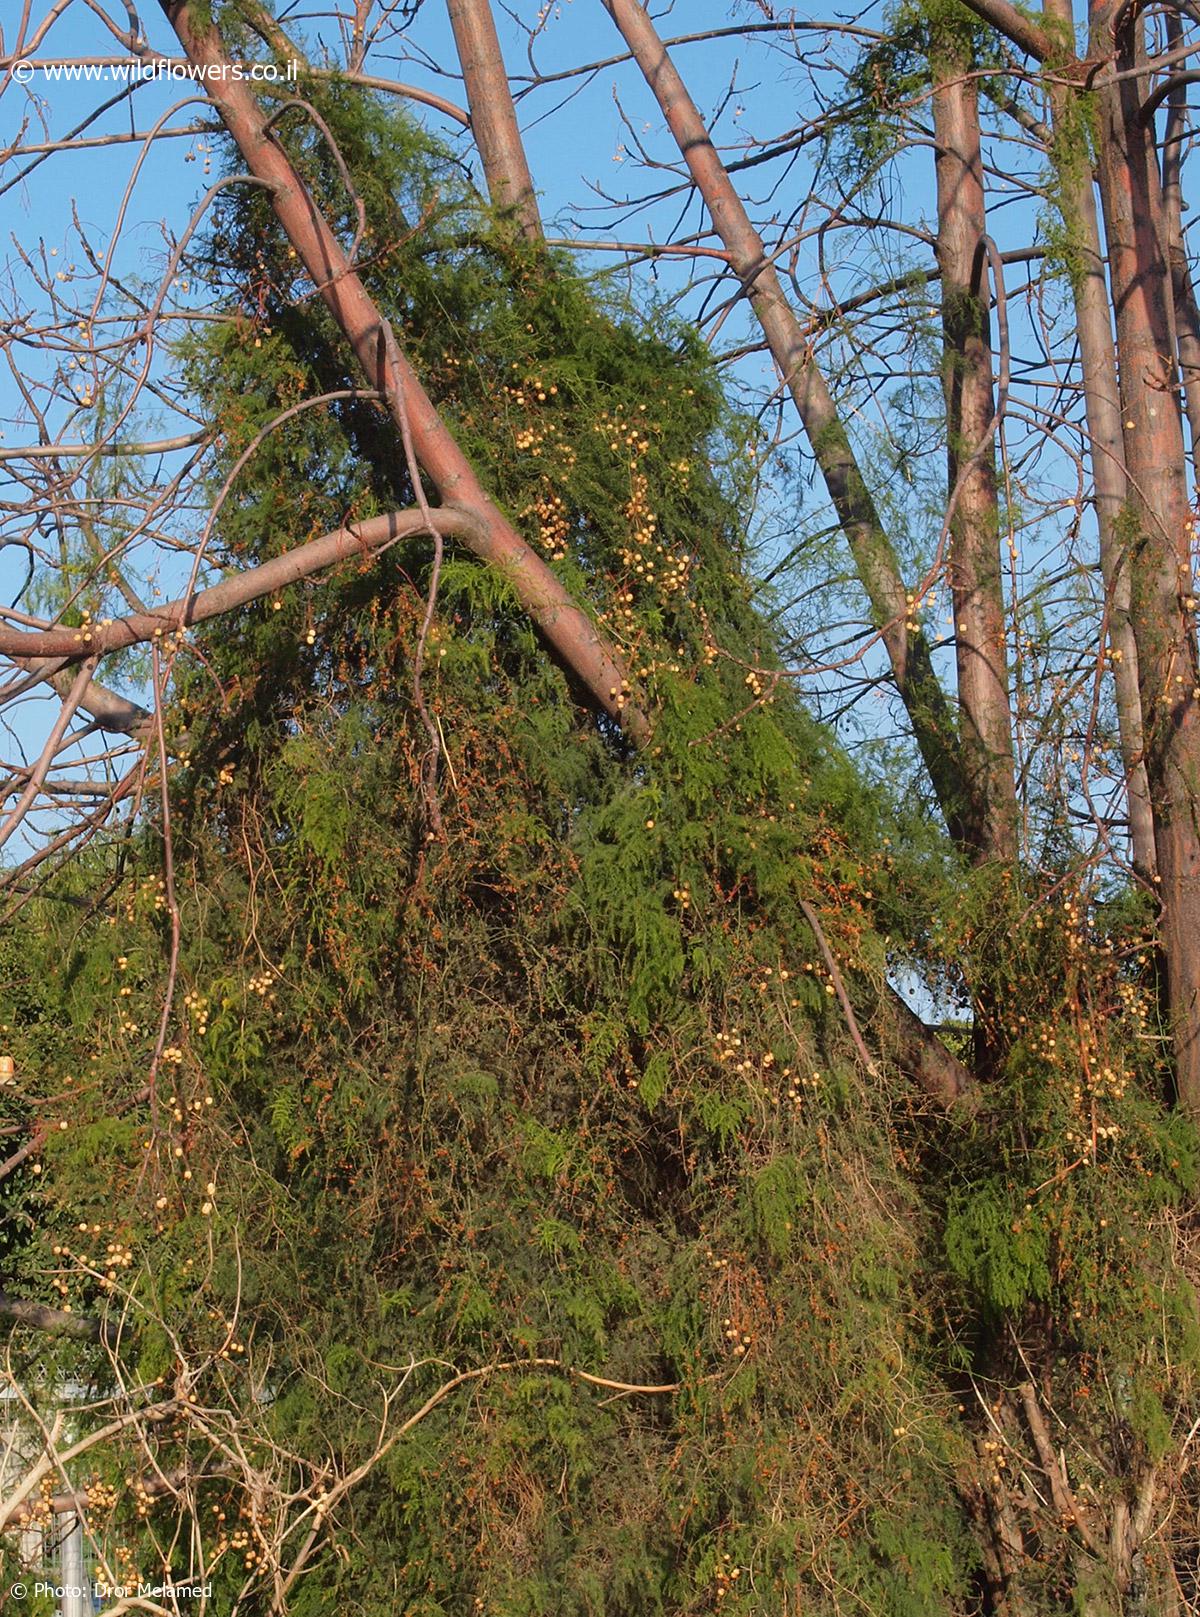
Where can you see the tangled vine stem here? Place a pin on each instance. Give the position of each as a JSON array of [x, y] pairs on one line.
[[647, 1389]]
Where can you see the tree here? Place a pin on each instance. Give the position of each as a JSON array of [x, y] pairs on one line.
[[559, 830]]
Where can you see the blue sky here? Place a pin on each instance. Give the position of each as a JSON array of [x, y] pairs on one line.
[[580, 136], [139, 194], [576, 133]]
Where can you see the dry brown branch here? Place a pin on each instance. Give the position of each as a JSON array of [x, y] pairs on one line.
[[1054, 1467]]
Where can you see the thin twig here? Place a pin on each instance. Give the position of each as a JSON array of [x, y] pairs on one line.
[[839, 987]]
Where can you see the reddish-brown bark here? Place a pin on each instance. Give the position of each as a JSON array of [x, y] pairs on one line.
[[1154, 527], [874, 558], [485, 531], [1186, 311], [975, 576], [1156, 523], [900, 1035], [493, 116], [363, 540], [1016, 26], [1102, 403]]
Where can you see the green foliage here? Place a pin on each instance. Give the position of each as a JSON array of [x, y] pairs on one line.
[[568, 1082]]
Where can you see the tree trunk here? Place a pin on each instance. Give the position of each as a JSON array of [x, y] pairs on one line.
[[1102, 405], [1187, 315], [874, 558], [493, 116], [1156, 520], [976, 579]]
